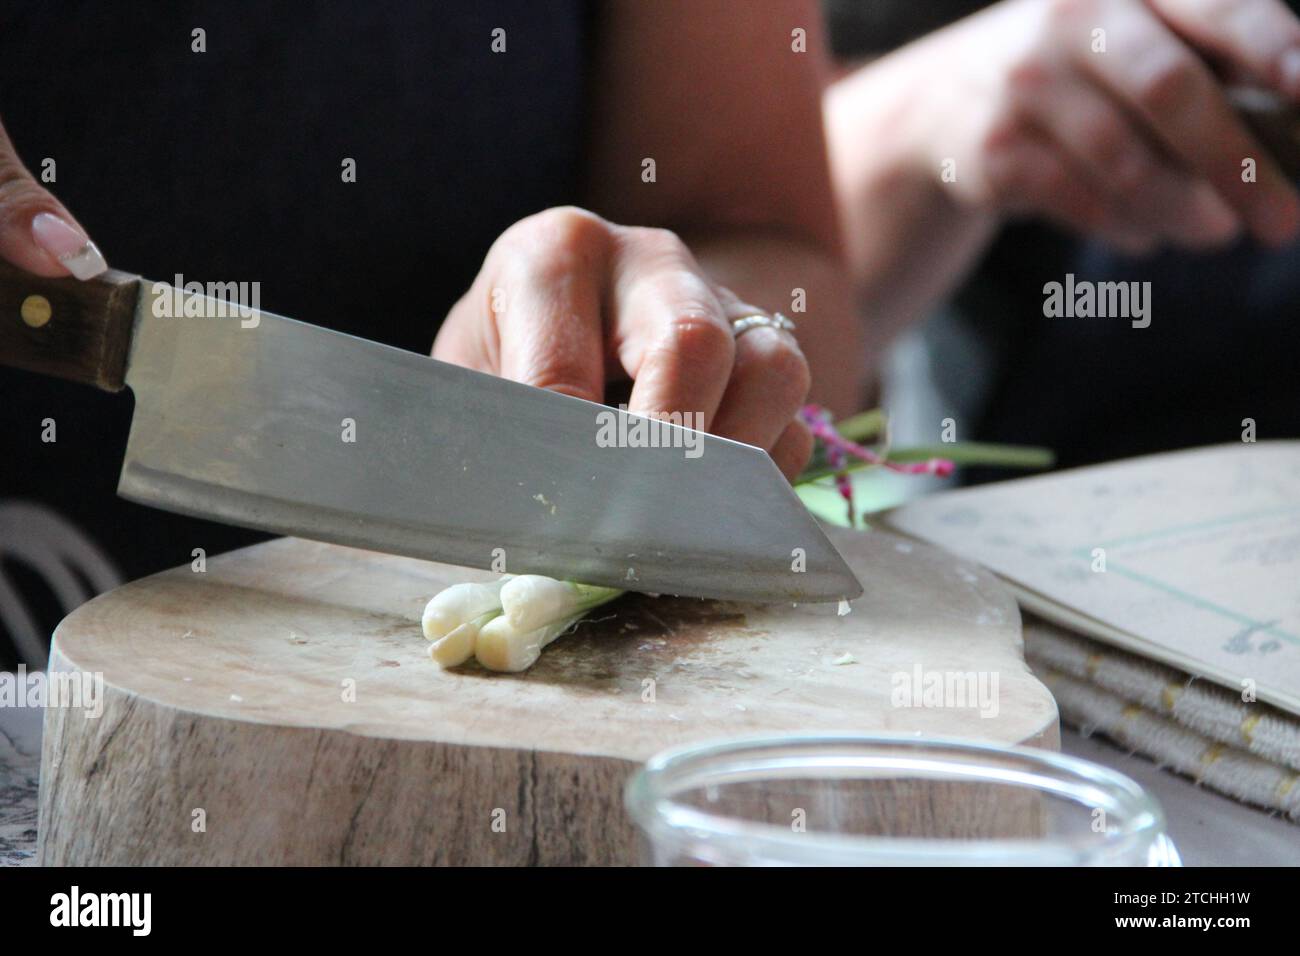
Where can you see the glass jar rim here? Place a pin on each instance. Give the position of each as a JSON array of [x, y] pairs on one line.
[[651, 800]]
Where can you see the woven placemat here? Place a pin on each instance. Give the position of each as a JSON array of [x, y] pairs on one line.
[[1248, 751]]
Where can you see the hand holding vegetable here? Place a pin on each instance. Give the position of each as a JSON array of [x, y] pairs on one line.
[[570, 302]]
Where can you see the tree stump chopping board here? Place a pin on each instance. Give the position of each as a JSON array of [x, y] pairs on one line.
[[280, 707]]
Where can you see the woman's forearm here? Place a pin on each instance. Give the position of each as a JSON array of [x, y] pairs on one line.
[[907, 240], [737, 166]]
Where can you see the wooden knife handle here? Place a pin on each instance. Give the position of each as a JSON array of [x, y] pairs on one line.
[[80, 331]]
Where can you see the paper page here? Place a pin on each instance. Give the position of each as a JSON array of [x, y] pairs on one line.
[[1191, 558]]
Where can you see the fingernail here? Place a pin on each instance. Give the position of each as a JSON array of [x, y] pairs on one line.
[[1289, 66], [69, 245]]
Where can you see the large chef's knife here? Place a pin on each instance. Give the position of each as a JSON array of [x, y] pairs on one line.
[[257, 420]]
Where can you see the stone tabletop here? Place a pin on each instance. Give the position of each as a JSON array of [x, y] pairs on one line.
[[20, 762]]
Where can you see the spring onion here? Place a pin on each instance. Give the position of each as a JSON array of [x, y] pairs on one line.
[[506, 624], [502, 647], [531, 600], [457, 646], [453, 606]]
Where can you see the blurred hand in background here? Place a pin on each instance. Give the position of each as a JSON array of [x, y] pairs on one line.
[[1107, 116]]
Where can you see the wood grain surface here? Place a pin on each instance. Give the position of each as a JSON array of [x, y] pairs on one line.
[[284, 697]]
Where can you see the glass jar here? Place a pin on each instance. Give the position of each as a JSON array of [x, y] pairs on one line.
[[848, 800]]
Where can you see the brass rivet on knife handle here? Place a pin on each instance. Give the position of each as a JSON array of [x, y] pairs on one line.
[[36, 310], [79, 331]]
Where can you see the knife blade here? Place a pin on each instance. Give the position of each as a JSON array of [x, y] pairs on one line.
[[265, 422]]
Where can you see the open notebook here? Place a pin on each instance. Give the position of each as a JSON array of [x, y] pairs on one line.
[[1200, 551]]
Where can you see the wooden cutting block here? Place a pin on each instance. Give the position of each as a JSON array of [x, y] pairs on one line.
[[280, 707]]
